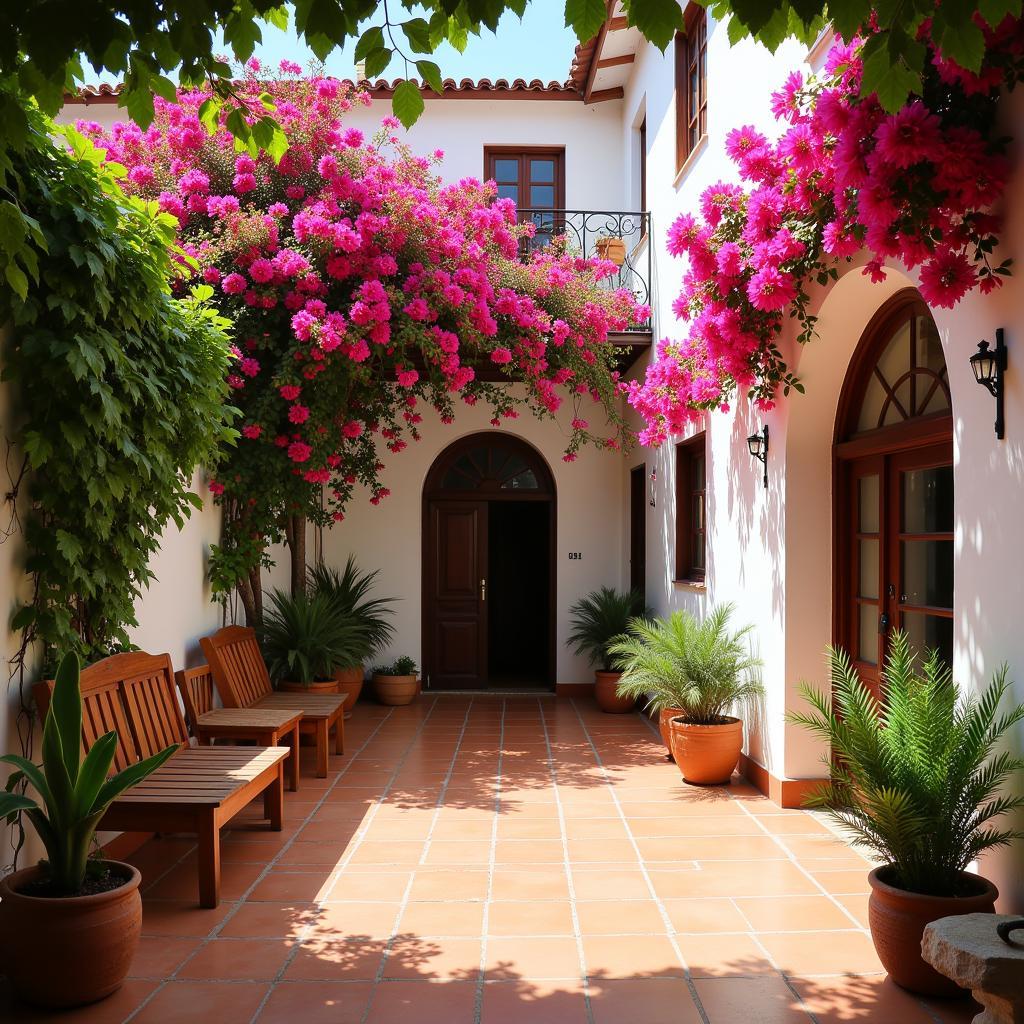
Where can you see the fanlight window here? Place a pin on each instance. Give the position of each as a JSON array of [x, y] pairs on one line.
[[909, 378], [492, 467]]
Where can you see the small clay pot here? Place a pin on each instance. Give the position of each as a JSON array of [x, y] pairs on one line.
[[607, 696], [395, 691], [665, 715], [68, 951], [350, 682], [898, 918], [706, 754], [318, 686]]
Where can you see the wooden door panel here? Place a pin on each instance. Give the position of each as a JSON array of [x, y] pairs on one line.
[[638, 529]]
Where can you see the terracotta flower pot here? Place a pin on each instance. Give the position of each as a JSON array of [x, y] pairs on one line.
[[319, 686], [606, 694], [395, 690], [706, 754], [665, 715], [897, 919], [350, 682], [63, 952], [613, 249]]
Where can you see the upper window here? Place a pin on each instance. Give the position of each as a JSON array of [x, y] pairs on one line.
[[691, 84], [534, 179], [491, 462], [691, 505], [643, 164]]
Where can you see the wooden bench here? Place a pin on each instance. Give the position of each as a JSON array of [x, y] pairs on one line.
[[242, 681], [267, 727], [199, 789]]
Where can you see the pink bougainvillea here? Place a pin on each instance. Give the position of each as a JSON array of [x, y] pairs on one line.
[[917, 186], [362, 288]]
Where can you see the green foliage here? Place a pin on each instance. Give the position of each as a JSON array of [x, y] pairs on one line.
[[75, 793], [305, 638], [349, 592], [699, 666], [403, 666], [600, 619], [917, 777], [118, 390]]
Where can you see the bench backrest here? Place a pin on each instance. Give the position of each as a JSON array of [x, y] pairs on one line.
[[133, 695], [236, 661], [196, 687]]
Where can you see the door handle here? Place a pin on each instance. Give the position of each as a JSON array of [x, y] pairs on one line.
[[483, 590], [883, 623]]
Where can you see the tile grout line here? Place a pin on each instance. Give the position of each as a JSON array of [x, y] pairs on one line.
[[666, 919], [492, 853], [217, 928]]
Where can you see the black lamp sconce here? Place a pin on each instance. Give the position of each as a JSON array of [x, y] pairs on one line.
[[989, 367], [654, 480], [758, 446]]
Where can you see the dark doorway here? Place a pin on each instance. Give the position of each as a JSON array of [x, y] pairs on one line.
[[518, 592], [488, 566], [637, 530]]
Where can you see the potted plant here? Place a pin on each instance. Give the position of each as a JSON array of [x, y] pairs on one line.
[[69, 926], [701, 668], [396, 684], [349, 592], [611, 248], [917, 779], [303, 638], [597, 621]]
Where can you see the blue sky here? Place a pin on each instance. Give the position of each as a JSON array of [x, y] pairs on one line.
[[539, 46]]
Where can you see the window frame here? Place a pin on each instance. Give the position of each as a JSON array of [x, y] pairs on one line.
[[687, 454], [691, 53], [642, 131], [493, 153]]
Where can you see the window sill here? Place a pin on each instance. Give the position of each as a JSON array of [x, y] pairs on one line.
[[696, 586], [688, 163]]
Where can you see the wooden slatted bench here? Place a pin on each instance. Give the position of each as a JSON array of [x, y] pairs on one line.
[[242, 681], [199, 789], [266, 726]]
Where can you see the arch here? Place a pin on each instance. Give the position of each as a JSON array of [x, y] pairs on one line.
[[492, 465]]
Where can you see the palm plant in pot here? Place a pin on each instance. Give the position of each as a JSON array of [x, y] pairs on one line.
[[396, 684], [598, 621], [349, 591], [303, 637], [694, 672], [917, 778], [69, 927]]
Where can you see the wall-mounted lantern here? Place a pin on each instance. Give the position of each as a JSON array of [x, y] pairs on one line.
[[654, 480], [989, 367], [758, 446]]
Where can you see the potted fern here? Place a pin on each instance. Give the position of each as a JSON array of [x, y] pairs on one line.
[[70, 926], [396, 684], [303, 637], [349, 592], [694, 672], [917, 779], [597, 621]]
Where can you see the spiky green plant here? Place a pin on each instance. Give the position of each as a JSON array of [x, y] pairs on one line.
[[349, 591], [599, 619], [75, 793], [304, 637], [700, 666], [918, 776]]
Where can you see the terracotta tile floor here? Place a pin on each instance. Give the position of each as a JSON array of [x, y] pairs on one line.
[[479, 860]]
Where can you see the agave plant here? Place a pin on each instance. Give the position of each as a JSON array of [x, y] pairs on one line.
[[75, 793], [699, 666], [916, 777], [349, 592], [599, 619], [305, 637]]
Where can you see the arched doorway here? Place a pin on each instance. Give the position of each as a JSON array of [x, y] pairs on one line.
[[488, 566], [894, 490]]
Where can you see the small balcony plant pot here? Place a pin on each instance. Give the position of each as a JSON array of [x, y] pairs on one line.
[[606, 692], [613, 249], [665, 715], [706, 754], [317, 686], [898, 918], [350, 682], [395, 691], [68, 951]]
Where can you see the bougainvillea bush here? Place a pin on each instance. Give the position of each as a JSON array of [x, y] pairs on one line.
[[844, 177], [363, 290]]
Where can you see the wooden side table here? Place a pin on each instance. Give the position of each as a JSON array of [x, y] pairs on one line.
[[266, 726]]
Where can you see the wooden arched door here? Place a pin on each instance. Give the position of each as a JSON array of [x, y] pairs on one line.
[[894, 491], [488, 566]]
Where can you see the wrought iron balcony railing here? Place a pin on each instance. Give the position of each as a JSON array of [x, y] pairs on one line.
[[613, 235]]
